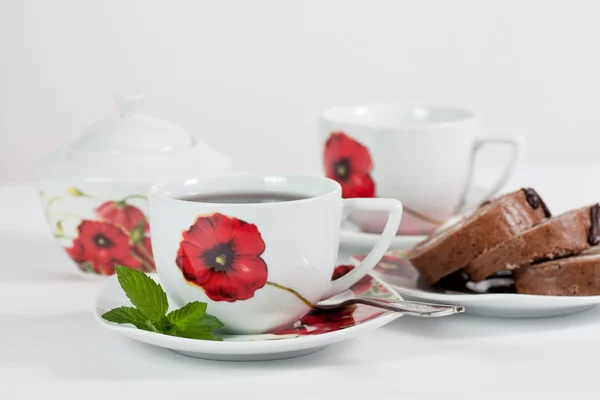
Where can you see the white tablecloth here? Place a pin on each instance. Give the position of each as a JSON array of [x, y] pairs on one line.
[[50, 345]]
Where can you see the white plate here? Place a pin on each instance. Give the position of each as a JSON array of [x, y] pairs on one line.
[[351, 235], [304, 337], [396, 270]]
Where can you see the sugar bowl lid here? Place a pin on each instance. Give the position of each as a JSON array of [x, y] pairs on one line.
[[131, 131], [132, 146]]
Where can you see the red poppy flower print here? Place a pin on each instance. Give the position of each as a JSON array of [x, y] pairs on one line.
[[321, 321], [122, 214], [221, 255], [103, 246], [359, 287], [349, 163]]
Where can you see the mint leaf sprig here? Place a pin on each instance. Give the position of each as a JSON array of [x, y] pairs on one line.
[[151, 305]]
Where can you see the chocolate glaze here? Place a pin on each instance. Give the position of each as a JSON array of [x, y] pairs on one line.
[[534, 200], [594, 235], [484, 203], [500, 282]]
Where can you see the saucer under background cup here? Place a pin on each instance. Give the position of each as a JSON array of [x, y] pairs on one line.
[[352, 237]]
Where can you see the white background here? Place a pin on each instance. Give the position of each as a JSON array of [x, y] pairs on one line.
[[251, 77]]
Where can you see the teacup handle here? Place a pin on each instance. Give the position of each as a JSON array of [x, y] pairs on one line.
[[517, 145], [394, 210]]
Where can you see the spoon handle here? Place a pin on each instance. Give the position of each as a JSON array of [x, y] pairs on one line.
[[410, 307]]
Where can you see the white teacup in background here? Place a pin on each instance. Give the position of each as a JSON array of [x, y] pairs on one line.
[[258, 265], [421, 155]]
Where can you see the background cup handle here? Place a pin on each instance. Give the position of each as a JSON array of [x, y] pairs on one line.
[[517, 144], [394, 210]]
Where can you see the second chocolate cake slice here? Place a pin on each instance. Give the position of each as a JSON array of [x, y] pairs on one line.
[[567, 234], [570, 276], [453, 248]]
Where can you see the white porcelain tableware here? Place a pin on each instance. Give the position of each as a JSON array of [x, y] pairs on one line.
[[421, 155], [318, 329], [257, 265], [94, 188], [353, 238], [397, 271]]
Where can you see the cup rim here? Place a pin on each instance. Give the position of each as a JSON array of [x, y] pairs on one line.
[[164, 189], [328, 116]]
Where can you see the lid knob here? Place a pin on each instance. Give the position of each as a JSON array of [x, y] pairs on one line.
[[128, 103], [132, 132]]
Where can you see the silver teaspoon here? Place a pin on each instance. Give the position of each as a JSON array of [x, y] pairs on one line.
[[408, 307]]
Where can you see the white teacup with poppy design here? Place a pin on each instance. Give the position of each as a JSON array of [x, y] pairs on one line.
[[421, 155], [259, 249]]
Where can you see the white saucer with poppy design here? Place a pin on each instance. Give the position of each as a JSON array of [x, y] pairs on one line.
[[316, 330]]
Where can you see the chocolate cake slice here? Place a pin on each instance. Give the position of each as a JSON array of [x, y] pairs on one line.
[[571, 276], [567, 234], [451, 249]]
